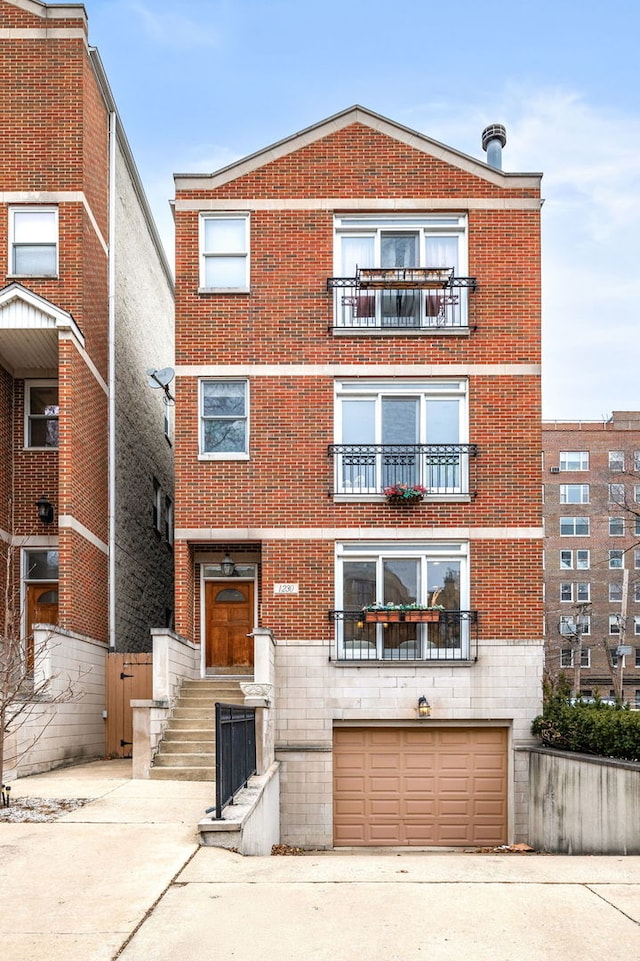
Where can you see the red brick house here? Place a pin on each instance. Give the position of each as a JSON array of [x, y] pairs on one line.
[[86, 307], [358, 313]]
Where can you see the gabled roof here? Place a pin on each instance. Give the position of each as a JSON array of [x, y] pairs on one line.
[[52, 11], [339, 121], [29, 329]]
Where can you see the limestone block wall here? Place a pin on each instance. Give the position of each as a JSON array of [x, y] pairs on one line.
[[313, 693]]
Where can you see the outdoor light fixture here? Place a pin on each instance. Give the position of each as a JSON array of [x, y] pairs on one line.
[[424, 708], [227, 566], [46, 511]]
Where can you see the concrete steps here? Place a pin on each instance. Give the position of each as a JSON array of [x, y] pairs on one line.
[[187, 751]]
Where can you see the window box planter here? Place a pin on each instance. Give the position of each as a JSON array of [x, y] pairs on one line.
[[404, 493], [421, 617], [400, 500], [382, 617]]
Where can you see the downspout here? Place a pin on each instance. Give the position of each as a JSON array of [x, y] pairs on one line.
[[113, 121]]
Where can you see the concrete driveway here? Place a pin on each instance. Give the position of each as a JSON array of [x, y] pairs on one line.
[[123, 877]]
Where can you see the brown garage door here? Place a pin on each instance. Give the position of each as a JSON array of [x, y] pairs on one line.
[[425, 786]]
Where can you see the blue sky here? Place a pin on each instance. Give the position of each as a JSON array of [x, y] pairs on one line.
[[200, 83]]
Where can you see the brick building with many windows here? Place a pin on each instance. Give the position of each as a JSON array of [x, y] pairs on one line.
[[86, 306], [358, 317], [592, 553]]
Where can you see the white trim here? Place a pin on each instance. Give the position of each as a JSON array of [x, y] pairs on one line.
[[111, 388], [223, 455], [58, 11], [17, 209], [27, 415], [348, 117], [56, 318], [27, 197], [68, 522], [441, 371], [336, 204], [42, 33], [358, 533], [245, 254]]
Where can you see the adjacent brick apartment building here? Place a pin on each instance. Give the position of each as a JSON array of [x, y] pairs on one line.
[[86, 306], [358, 306], [592, 552]]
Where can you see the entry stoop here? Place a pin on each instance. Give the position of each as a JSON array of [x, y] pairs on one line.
[[187, 751]]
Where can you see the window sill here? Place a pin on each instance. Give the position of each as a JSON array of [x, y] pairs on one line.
[[219, 457], [224, 290], [55, 276], [400, 331], [39, 450], [408, 662], [381, 499]]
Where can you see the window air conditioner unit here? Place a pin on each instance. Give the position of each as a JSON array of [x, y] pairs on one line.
[[555, 470]]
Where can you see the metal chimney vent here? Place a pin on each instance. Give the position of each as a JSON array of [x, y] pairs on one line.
[[494, 138]]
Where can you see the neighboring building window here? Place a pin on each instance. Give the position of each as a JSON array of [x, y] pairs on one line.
[[616, 526], [614, 656], [616, 559], [636, 526], [574, 493], [636, 591], [636, 492], [574, 460], [404, 574], [224, 421], [582, 561], [615, 592], [168, 422], [616, 460], [638, 648], [583, 592], [224, 252], [41, 413], [636, 631], [567, 657], [636, 460], [614, 623], [616, 493], [566, 592], [33, 241], [401, 432], [568, 624], [157, 506], [168, 519], [637, 699], [636, 559], [574, 526]]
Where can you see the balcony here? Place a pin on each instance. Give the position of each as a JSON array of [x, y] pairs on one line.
[[446, 470], [403, 300], [453, 637]]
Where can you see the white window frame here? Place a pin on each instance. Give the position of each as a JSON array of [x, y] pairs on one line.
[[567, 625], [423, 552], [423, 390], [566, 592], [156, 506], [424, 226], [614, 624], [614, 555], [616, 526], [223, 455], [168, 519], [616, 494], [616, 460], [567, 657], [29, 417], [574, 493], [239, 254], [583, 592], [574, 460], [15, 211], [581, 556], [615, 592], [575, 521]]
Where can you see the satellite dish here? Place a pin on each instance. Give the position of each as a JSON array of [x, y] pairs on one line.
[[161, 378]]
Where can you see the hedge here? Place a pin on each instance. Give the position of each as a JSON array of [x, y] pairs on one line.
[[590, 728]]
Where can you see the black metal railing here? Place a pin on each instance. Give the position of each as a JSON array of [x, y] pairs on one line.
[[370, 468], [235, 751], [418, 300], [453, 637]]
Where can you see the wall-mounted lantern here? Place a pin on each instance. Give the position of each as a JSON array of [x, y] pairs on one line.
[[424, 708], [46, 510]]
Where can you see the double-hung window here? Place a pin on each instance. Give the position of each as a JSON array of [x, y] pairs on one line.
[[574, 493], [33, 241], [41, 413], [224, 419], [428, 574], [401, 432], [224, 252], [574, 526], [616, 559], [395, 271], [574, 460], [581, 562]]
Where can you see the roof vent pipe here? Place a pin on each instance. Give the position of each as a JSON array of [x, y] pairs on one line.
[[494, 138]]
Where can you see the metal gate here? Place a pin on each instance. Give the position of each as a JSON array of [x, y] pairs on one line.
[[129, 676]]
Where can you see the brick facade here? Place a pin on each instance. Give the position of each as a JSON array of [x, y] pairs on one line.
[[280, 502], [612, 526]]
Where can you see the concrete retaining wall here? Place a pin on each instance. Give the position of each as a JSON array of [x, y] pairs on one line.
[[581, 804]]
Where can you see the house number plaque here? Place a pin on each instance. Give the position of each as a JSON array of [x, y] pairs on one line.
[[286, 588]]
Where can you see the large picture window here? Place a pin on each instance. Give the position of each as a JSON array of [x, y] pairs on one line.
[[401, 432], [33, 241], [224, 430], [405, 576]]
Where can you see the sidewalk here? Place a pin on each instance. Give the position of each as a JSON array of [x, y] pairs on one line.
[[125, 870]]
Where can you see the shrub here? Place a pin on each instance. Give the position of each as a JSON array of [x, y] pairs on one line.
[[607, 730]]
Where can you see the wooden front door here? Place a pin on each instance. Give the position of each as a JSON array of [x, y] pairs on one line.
[[229, 621], [42, 608]]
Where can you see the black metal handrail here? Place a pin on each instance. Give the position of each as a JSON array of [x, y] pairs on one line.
[[370, 468], [235, 751], [411, 304], [453, 637]]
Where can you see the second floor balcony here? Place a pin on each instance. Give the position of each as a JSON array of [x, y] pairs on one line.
[[445, 470], [403, 299]]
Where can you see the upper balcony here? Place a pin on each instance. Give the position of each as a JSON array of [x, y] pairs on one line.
[[403, 300]]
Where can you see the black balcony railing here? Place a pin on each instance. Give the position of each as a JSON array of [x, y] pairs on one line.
[[235, 751], [453, 637], [403, 299], [369, 468]]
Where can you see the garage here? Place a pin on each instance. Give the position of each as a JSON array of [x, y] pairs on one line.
[[423, 786]]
